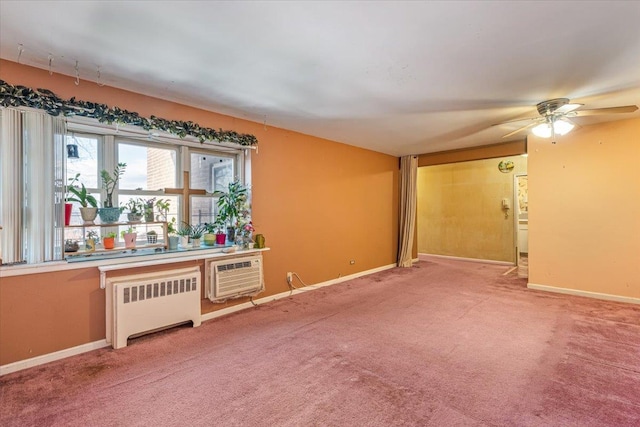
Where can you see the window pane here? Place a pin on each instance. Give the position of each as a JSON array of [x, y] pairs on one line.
[[148, 168], [203, 209], [87, 163], [211, 173]]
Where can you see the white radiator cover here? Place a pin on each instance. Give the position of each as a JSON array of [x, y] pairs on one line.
[[234, 278], [145, 302]]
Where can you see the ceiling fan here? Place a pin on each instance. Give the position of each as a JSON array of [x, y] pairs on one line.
[[555, 117]]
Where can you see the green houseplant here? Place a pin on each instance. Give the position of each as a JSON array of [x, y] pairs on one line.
[[173, 237], [230, 204], [88, 203], [163, 208], [136, 209], [184, 231], [109, 214], [195, 234]]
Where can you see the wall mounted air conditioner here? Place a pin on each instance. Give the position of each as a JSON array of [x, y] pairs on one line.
[[234, 278]]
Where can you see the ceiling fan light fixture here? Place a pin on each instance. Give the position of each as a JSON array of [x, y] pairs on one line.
[[562, 127], [543, 130]]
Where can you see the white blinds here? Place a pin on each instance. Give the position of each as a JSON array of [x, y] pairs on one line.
[[32, 188], [10, 185]]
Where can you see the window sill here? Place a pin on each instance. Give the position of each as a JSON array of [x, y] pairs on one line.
[[125, 260]]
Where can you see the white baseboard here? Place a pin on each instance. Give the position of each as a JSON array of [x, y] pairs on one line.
[[286, 294], [597, 295], [425, 257], [51, 357]]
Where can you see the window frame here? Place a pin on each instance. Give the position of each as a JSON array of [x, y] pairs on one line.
[[110, 136]]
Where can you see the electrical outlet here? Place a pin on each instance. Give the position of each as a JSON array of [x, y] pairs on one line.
[[289, 277]]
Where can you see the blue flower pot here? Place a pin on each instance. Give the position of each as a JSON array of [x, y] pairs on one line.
[[109, 215]]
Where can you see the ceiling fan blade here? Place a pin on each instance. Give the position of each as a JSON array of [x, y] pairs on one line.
[[521, 129], [516, 120], [566, 108], [610, 110]]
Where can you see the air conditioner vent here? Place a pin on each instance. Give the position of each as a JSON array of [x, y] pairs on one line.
[[234, 279]]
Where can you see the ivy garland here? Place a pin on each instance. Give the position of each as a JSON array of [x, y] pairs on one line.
[[43, 99]]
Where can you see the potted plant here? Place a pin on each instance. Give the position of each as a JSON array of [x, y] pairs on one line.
[[109, 240], [219, 231], [136, 209], [129, 236], [209, 237], [88, 203], [68, 206], [148, 210], [90, 241], [71, 246], [229, 204], [196, 234], [163, 208], [184, 231], [109, 214], [173, 235], [152, 237]]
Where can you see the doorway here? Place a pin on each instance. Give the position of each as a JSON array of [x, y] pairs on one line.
[[521, 225]]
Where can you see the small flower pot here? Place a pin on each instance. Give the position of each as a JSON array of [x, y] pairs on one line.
[[173, 242], [209, 239], [90, 245], [221, 238], [152, 239], [130, 240], [109, 242]]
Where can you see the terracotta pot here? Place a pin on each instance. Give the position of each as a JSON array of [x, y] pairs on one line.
[[109, 242]]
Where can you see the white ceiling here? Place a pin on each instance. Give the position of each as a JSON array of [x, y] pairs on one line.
[[396, 77]]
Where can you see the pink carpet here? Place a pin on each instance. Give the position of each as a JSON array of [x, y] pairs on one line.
[[445, 343]]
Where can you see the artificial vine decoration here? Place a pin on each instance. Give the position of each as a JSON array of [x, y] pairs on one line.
[[43, 99]]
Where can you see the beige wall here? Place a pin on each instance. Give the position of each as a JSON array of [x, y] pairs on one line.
[[459, 209], [319, 204], [584, 218]]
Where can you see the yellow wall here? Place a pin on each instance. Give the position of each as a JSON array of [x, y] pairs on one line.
[[459, 209], [584, 217], [319, 204]]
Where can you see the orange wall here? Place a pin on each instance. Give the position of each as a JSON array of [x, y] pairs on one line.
[[319, 204], [584, 218]]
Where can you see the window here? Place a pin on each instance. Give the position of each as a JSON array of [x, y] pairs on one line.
[[210, 173], [32, 214]]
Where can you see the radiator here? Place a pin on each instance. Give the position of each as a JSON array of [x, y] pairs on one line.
[[234, 278], [146, 302]]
